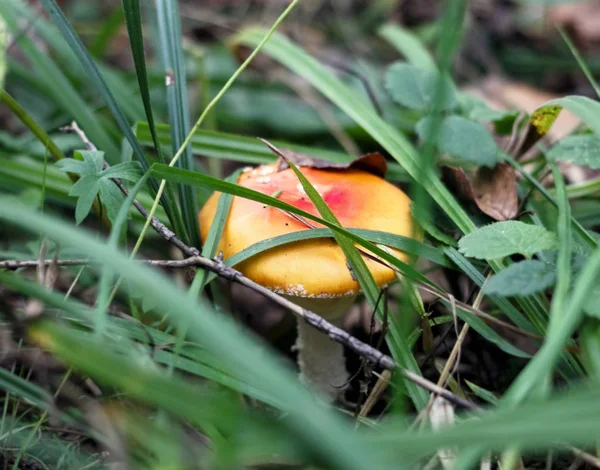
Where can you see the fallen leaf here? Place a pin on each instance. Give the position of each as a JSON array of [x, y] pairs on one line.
[[493, 190], [371, 162]]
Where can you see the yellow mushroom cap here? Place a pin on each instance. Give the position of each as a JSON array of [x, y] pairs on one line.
[[311, 268]]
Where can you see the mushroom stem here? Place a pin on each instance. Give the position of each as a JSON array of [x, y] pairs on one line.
[[321, 360]]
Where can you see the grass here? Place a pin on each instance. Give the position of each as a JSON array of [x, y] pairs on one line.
[[160, 368]]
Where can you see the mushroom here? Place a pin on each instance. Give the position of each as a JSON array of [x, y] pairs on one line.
[[312, 273]]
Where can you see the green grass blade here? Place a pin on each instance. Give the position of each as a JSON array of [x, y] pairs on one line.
[[169, 29], [408, 245], [57, 84], [565, 248], [243, 149], [398, 341], [507, 308], [585, 235], [133, 20], [408, 45], [318, 428], [99, 82], [204, 181], [96, 78], [586, 70], [292, 56]]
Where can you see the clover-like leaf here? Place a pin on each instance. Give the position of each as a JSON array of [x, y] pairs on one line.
[[579, 149], [523, 278], [415, 87], [95, 181], [462, 138], [592, 304], [506, 238]]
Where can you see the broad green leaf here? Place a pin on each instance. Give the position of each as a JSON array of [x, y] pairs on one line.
[[477, 110], [94, 180], [589, 240], [408, 45], [85, 190], [505, 306], [462, 138], [506, 238], [130, 171], [578, 149], [112, 198], [414, 87], [523, 278], [592, 305]]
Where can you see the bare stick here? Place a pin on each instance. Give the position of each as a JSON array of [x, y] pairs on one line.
[[336, 334]]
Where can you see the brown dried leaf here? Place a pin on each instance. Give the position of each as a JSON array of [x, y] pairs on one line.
[[493, 190], [371, 162]]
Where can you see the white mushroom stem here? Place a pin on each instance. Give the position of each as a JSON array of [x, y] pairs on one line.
[[320, 359]]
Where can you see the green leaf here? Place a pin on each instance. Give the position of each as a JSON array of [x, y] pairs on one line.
[[592, 305], [414, 87], [523, 278], [408, 45], [112, 198], [462, 138], [578, 149], [130, 171], [506, 238], [86, 190], [94, 180]]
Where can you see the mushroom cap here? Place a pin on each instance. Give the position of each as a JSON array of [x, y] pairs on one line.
[[311, 268]]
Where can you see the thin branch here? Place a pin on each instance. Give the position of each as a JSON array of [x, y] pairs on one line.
[[195, 260], [218, 267]]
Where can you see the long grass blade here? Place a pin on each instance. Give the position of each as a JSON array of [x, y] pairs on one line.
[[169, 29]]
